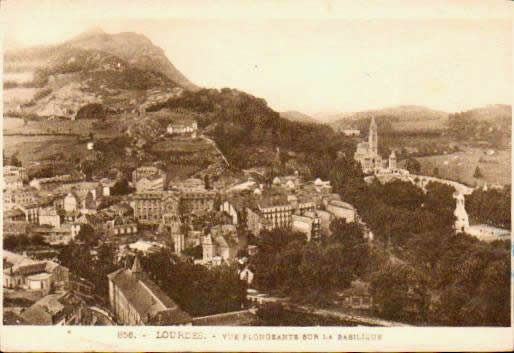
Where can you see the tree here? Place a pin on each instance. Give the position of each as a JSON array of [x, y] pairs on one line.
[[87, 235], [121, 187], [14, 160], [435, 172], [413, 166], [478, 173]]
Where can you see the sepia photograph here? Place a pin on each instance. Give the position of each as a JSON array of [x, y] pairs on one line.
[[256, 165]]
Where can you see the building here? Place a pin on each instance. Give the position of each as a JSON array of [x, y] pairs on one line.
[[325, 218], [358, 296], [145, 247], [342, 210], [235, 208], [149, 207], [276, 210], [136, 300], [55, 235], [96, 189], [488, 233], [54, 309], [146, 171], [182, 128], [197, 201], [49, 184], [21, 172], [49, 216], [19, 197], [218, 249], [121, 226], [309, 224], [31, 212], [150, 183], [14, 216], [188, 185], [351, 132], [22, 272], [367, 152], [393, 165], [12, 182]]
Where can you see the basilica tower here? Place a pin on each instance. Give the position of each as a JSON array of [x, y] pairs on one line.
[[373, 136]]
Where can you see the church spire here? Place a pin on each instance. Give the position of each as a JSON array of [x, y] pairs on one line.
[[373, 136], [136, 266]]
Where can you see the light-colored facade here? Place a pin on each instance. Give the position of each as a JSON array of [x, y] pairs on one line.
[[136, 300], [149, 207], [309, 224], [198, 201], [151, 183], [342, 210], [49, 216], [146, 171], [25, 273], [182, 128], [19, 197]]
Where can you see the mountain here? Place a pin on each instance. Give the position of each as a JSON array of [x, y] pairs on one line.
[[298, 116], [403, 117], [124, 70]]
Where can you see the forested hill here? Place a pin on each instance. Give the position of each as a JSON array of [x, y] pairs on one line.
[[492, 123], [249, 132]]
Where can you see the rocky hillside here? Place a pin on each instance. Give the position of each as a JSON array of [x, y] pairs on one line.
[[124, 71]]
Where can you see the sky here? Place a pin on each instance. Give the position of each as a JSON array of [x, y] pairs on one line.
[[307, 55]]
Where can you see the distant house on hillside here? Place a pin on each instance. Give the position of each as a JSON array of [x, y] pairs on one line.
[[182, 128], [351, 132]]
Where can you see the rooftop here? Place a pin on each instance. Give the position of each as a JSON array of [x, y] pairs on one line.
[[152, 304]]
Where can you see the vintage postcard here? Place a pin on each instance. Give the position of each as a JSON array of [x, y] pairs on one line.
[[256, 175]]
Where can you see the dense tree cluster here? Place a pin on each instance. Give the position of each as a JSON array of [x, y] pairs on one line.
[[310, 271], [91, 111], [195, 288], [435, 275], [490, 123], [79, 260], [22, 241], [241, 123], [491, 206]]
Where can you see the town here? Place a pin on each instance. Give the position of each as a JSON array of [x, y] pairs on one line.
[[75, 248], [132, 196]]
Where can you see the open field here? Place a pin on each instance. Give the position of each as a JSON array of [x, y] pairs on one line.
[[18, 95], [178, 145], [460, 166], [421, 125], [34, 148], [110, 128], [18, 77]]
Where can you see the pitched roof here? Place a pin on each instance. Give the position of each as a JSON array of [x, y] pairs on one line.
[[341, 204], [37, 315], [136, 266], [147, 298]]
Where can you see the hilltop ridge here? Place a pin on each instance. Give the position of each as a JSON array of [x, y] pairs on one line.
[[125, 71]]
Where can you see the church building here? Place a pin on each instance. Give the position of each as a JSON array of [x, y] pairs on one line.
[[367, 153]]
